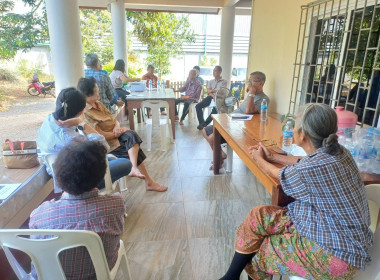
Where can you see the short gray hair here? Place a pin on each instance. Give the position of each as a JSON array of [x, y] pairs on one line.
[[260, 75], [319, 122], [92, 60]]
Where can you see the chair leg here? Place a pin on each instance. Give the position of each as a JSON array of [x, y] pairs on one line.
[[143, 115], [128, 269], [149, 136], [163, 137], [229, 159], [123, 184], [170, 132], [191, 111]]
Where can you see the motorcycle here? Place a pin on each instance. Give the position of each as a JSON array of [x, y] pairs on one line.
[[35, 88]]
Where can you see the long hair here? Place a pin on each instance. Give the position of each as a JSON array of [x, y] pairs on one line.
[[119, 65]]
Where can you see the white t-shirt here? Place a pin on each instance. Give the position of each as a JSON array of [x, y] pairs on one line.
[[115, 78]]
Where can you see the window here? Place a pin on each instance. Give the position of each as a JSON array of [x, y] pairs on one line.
[[337, 61]]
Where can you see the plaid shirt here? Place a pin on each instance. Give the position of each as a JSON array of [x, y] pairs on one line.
[[103, 214], [104, 83], [192, 89], [331, 207]]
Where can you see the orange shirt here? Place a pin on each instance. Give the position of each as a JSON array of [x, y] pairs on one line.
[[152, 77], [102, 120]]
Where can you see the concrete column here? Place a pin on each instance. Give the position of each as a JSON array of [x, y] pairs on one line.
[[119, 31], [65, 42], [226, 42]]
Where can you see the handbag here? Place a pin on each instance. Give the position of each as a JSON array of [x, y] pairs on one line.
[[20, 154]]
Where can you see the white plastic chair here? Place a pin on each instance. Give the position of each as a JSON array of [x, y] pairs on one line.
[[192, 110], [156, 120], [373, 270], [44, 252], [117, 186]]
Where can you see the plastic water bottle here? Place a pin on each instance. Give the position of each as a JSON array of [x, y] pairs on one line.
[[158, 86], [287, 139], [150, 85], [264, 110], [163, 85]]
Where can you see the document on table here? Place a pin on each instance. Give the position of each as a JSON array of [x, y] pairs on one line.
[[241, 117], [6, 190], [134, 95]]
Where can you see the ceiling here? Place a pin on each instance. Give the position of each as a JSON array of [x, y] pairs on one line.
[[243, 7]]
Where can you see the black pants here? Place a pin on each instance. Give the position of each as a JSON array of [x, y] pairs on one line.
[[186, 105], [122, 94], [199, 108]]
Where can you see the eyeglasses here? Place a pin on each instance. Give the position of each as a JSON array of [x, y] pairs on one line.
[[266, 142]]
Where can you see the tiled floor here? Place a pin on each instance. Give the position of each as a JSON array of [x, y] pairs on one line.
[[188, 232]]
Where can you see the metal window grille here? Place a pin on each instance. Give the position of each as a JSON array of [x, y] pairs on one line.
[[337, 59]]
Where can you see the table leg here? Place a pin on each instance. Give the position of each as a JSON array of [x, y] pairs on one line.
[[131, 118], [279, 198], [217, 151], [138, 115], [172, 115]]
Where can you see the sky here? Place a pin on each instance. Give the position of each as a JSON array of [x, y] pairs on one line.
[[21, 8]]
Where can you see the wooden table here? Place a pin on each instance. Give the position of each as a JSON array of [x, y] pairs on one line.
[[240, 135], [135, 99]]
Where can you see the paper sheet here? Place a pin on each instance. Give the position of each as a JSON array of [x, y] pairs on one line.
[[7, 189]]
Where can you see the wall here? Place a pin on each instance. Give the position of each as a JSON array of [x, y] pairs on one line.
[[37, 57], [273, 45]]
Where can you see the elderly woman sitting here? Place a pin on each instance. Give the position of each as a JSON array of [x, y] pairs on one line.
[[324, 233], [79, 168], [123, 142], [60, 127]]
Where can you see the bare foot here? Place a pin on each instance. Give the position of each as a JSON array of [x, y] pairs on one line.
[[221, 163], [156, 187], [176, 118], [181, 123], [135, 172]]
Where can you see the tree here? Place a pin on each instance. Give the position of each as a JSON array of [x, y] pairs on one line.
[[164, 34], [96, 32], [21, 31], [96, 29], [208, 61]]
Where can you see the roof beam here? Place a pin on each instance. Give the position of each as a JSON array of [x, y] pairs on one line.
[[230, 3], [176, 3]]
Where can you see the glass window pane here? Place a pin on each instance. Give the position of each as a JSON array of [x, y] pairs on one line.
[[367, 17], [374, 39], [350, 58], [369, 61], [363, 40], [353, 41], [359, 58]]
